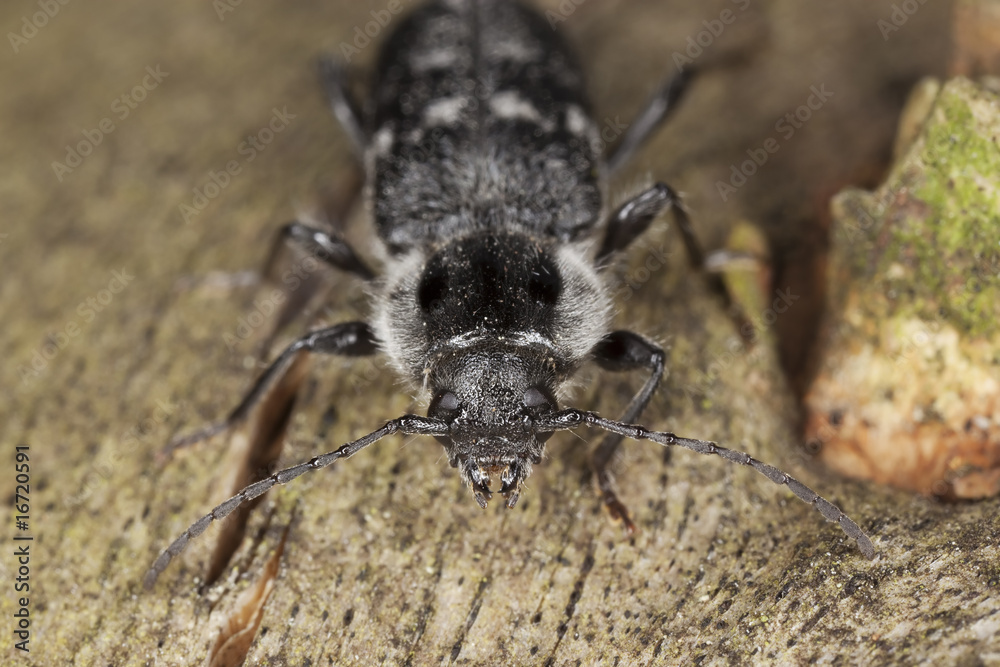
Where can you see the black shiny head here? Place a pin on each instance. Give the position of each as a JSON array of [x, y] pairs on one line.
[[492, 397]]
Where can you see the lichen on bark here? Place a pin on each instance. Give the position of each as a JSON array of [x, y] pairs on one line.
[[909, 388]]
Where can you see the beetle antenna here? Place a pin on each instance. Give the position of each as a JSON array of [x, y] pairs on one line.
[[407, 424], [569, 419]]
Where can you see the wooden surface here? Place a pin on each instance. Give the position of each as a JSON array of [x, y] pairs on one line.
[[387, 558]]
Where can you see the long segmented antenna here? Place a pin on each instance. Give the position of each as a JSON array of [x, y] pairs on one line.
[[407, 424], [559, 421], [569, 419]]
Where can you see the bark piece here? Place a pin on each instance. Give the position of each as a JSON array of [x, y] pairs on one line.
[[909, 389]]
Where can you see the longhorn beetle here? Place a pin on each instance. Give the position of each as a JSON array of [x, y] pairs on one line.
[[485, 176]]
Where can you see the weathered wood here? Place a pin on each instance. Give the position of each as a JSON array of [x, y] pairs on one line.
[[387, 558]]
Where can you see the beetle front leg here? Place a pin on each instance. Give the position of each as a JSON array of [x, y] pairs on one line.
[[353, 339], [624, 351]]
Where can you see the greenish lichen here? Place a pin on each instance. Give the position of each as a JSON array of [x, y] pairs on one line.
[[929, 239], [907, 393]]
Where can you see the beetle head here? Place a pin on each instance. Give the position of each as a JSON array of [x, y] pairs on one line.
[[491, 399]]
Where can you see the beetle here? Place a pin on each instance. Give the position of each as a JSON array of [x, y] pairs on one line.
[[485, 176]]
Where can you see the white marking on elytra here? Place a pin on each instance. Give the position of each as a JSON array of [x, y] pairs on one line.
[[447, 111], [513, 50], [510, 40], [582, 126], [383, 140], [425, 61], [414, 136], [576, 120], [511, 105]]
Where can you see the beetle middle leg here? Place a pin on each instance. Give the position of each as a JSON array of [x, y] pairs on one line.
[[624, 351], [351, 339], [317, 242], [658, 108], [346, 109], [320, 243], [633, 217]]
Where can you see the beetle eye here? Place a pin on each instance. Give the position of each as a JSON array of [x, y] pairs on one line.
[[448, 401], [444, 406], [534, 398]]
